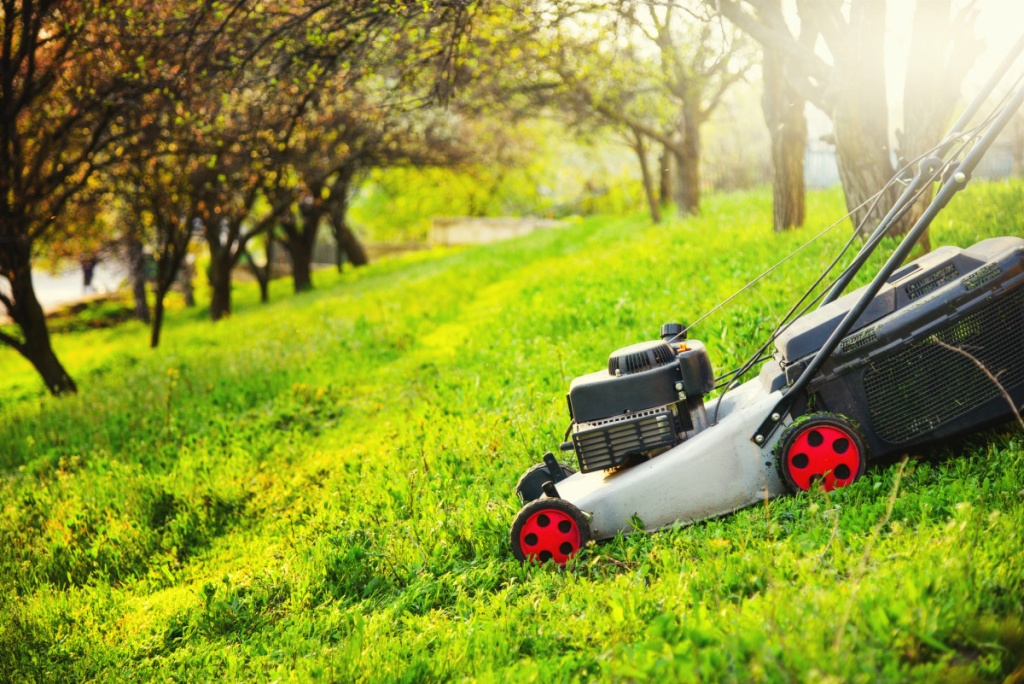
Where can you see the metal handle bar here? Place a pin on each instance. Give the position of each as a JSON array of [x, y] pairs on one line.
[[949, 188]]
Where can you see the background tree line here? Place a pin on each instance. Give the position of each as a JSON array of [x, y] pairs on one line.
[[227, 120], [245, 125]]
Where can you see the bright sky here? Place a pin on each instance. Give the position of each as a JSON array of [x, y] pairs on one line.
[[999, 24]]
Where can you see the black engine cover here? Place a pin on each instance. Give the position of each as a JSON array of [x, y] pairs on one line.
[[600, 395], [639, 377]]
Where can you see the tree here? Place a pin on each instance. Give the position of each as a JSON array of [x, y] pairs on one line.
[[68, 71], [76, 79], [233, 180], [783, 107], [236, 131], [329, 144], [407, 48], [192, 146], [653, 72], [699, 61], [850, 88], [159, 216], [639, 144], [135, 260], [341, 141]]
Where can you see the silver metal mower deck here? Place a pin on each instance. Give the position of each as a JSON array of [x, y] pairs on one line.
[[716, 472]]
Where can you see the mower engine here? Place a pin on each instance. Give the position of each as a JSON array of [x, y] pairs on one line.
[[650, 399]]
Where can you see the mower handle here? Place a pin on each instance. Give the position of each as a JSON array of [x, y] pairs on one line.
[[946, 192]]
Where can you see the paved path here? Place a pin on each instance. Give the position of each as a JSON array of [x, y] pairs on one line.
[[57, 289]]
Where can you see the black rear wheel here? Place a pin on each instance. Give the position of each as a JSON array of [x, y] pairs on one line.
[[531, 485]]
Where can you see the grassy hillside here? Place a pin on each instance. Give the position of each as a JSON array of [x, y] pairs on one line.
[[321, 488]]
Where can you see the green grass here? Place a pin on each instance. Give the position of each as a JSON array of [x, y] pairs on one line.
[[321, 488]]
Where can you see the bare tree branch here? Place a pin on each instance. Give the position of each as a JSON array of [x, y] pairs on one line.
[[12, 342], [812, 76]]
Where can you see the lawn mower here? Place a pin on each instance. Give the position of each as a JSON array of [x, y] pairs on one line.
[[925, 351]]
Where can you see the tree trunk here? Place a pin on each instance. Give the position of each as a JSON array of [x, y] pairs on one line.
[[354, 249], [940, 54], [220, 284], [645, 171], [158, 317], [220, 240], [343, 235], [860, 117], [172, 264], [665, 183], [28, 315], [337, 208], [263, 274], [188, 290], [301, 254], [301, 240], [40, 353], [865, 165], [862, 155], [787, 125], [265, 286], [687, 158], [137, 273]]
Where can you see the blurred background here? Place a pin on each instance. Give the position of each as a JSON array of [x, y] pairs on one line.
[[148, 148]]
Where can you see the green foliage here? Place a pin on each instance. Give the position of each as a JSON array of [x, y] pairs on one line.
[[534, 168], [321, 488]]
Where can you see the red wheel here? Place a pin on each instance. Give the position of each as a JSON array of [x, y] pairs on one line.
[[549, 529], [824, 446]]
